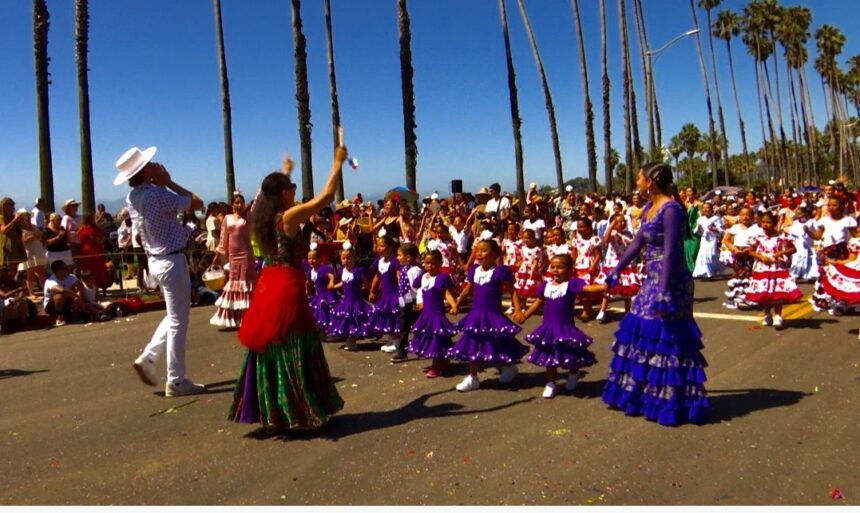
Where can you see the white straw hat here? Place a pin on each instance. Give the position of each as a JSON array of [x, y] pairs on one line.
[[131, 162]]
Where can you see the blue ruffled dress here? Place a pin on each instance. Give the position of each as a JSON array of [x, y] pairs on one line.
[[658, 369]]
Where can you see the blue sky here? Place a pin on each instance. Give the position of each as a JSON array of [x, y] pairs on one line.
[[154, 81]]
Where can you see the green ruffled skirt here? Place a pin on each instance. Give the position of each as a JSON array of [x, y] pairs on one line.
[[287, 385]]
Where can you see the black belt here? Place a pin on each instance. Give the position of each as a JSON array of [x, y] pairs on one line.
[[177, 252]]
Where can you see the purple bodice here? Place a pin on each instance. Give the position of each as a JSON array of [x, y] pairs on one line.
[[487, 297], [434, 297], [321, 282], [388, 279], [560, 310], [352, 290]]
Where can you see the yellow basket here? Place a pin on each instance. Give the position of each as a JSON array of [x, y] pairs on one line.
[[215, 278]]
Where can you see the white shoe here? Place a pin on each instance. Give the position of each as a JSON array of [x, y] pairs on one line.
[[777, 322], [600, 316], [469, 383], [509, 372], [509, 311], [572, 381], [145, 369], [184, 387], [767, 321], [549, 390], [389, 348]]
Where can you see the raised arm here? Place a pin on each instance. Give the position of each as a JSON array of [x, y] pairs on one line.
[[631, 253], [301, 213]]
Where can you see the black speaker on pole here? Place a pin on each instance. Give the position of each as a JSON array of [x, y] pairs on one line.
[[456, 186]]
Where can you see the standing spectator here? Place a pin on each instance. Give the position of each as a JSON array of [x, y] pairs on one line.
[[40, 218], [123, 241], [498, 207], [12, 250], [213, 226], [92, 257], [37, 256], [152, 203], [70, 222], [57, 241]]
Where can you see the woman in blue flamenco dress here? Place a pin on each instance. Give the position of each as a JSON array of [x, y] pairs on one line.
[[658, 369]]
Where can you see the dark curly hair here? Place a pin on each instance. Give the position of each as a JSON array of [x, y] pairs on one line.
[[266, 208]]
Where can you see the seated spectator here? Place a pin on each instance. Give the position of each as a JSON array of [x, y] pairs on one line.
[[90, 298], [61, 293], [15, 308]]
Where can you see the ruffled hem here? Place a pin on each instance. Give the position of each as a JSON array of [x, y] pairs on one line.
[[485, 348], [431, 346], [434, 325], [550, 336], [225, 318], [487, 322], [658, 371], [349, 320], [765, 298], [562, 356]]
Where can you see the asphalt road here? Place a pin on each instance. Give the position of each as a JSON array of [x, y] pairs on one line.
[[78, 427]]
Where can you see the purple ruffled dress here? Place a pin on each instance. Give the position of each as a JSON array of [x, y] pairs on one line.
[[558, 342], [488, 335], [324, 300], [349, 317], [658, 369], [432, 331], [385, 316]]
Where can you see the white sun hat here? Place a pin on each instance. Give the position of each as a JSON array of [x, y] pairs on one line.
[[131, 162]]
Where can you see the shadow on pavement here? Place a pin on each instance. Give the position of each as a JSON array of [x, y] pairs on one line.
[[14, 373], [808, 323], [731, 404], [342, 426]]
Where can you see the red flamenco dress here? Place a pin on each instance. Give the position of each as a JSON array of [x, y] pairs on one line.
[[92, 256], [285, 381]]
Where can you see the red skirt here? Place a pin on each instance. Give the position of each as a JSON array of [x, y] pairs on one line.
[[279, 307], [773, 288], [842, 282]]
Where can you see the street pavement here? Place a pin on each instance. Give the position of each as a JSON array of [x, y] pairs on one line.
[[78, 427]]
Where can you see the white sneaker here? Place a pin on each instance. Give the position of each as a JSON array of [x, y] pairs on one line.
[[509, 372], [389, 347], [184, 387], [600, 316], [777, 322], [572, 381], [145, 369], [509, 311], [767, 321], [549, 390], [469, 383]]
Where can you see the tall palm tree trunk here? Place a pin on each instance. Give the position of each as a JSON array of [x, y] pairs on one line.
[[747, 163], [797, 150], [647, 74], [712, 130], [625, 77], [303, 99], [41, 23], [550, 106], [809, 132], [408, 93], [226, 109], [768, 102], [589, 110], [82, 32], [789, 163], [725, 140], [332, 84], [513, 95], [607, 120]]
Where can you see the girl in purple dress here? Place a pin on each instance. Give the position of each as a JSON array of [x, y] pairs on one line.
[[349, 318], [558, 342], [488, 336], [322, 299], [432, 331], [658, 369], [385, 316]]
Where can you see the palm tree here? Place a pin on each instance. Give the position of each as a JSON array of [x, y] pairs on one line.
[[303, 99], [41, 22], [608, 168], [332, 82], [709, 5], [712, 153], [830, 41], [689, 138], [793, 33], [772, 14], [625, 77], [589, 111], [226, 110], [550, 106], [726, 27], [408, 93], [647, 74], [82, 33], [513, 95]]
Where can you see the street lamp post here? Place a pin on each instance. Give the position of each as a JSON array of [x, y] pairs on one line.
[[649, 80]]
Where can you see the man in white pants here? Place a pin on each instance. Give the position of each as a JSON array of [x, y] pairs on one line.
[[153, 203]]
